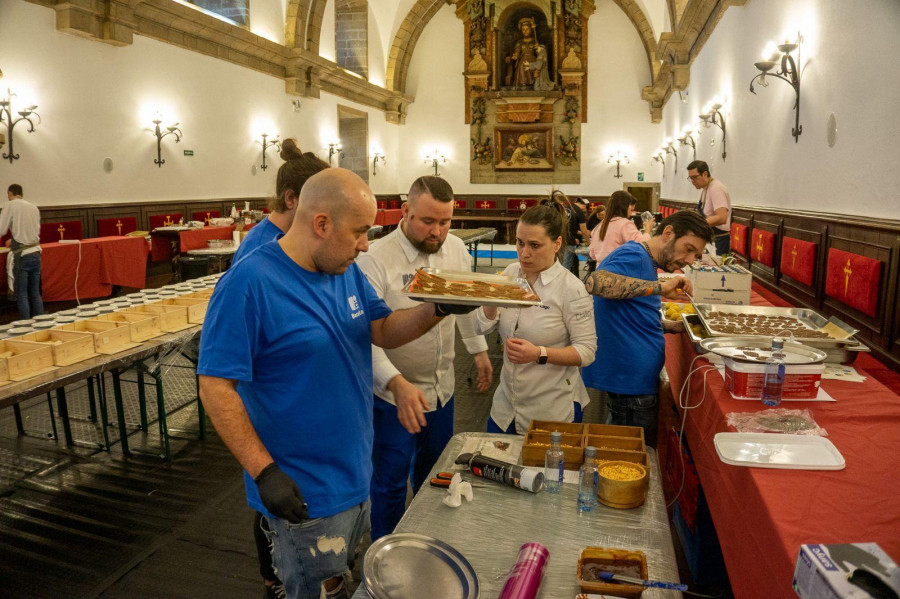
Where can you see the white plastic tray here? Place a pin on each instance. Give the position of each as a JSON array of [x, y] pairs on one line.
[[769, 450]]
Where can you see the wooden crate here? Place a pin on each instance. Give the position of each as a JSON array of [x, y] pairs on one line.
[[27, 359], [536, 444], [605, 442], [201, 294], [110, 337], [550, 426], [141, 326], [171, 318], [69, 347], [196, 308], [623, 455], [615, 430]]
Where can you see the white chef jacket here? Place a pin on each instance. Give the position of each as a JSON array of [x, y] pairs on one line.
[[426, 362], [24, 219], [544, 391]]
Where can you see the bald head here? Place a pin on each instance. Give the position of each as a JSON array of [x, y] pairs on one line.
[[336, 192]]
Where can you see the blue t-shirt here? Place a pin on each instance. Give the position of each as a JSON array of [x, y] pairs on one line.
[[631, 349], [263, 232], [299, 343]]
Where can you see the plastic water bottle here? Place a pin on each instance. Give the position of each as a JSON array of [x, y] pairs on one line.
[[554, 464], [588, 481], [773, 375]]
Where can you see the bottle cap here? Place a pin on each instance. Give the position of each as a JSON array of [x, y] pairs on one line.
[[556, 437], [777, 342], [590, 451], [532, 480]]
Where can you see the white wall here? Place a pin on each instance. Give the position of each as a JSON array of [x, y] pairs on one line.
[[97, 101], [850, 67], [617, 117], [267, 19]]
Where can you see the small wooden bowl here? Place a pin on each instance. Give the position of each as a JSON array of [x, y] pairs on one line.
[[611, 560], [623, 494]]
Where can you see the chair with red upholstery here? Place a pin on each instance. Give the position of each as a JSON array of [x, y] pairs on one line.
[[53, 232], [763, 247], [520, 204], [204, 216], [853, 280], [739, 239], [111, 227], [798, 260], [164, 220]]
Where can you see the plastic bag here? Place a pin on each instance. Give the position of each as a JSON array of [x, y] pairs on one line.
[[776, 420]]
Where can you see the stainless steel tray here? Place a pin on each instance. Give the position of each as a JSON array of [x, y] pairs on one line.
[[456, 275], [736, 348], [809, 318], [404, 565]]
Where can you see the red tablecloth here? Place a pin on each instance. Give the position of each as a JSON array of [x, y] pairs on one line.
[[388, 217], [762, 516], [195, 239], [105, 261]]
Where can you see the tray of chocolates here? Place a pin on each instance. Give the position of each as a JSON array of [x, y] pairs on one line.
[[470, 288], [800, 324]]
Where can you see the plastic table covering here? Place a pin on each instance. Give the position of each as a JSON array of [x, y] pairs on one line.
[[489, 530]]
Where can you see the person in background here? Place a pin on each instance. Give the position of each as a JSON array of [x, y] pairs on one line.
[[414, 383], [595, 217], [23, 220], [297, 168], [575, 228], [617, 227], [630, 344], [285, 375], [544, 345], [714, 204]]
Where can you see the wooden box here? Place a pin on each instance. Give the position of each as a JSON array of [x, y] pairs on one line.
[[201, 294], [563, 427], [110, 337], [618, 561], [622, 493], [615, 430], [638, 457], [171, 318], [141, 326], [604, 442], [68, 347], [196, 308], [20, 360], [536, 444]]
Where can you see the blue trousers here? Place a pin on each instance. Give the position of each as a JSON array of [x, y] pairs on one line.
[[27, 281], [493, 427], [634, 410], [398, 456], [723, 243]]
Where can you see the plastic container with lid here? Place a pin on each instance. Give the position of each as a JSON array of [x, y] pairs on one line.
[[23, 323], [17, 331], [44, 324]]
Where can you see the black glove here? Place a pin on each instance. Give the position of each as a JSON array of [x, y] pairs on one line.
[[442, 310], [281, 495]]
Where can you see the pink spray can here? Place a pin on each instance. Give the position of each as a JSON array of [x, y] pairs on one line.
[[525, 578]]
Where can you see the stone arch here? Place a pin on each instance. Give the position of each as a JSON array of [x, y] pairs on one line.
[[405, 42], [640, 22], [303, 24]]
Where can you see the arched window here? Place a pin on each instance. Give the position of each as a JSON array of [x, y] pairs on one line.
[[351, 41], [232, 11]]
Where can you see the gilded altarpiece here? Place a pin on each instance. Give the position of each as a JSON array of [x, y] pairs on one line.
[[526, 89]]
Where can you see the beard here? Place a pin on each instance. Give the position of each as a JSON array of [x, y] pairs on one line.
[[427, 245], [667, 257]]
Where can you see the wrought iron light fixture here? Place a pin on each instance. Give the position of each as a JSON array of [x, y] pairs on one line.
[[433, 160], [335, 147], [660, 156], [787, 71], [376, 158], [618, 157], [669, 148], [6, 117], [170, 130], [687, 139], [268, 144], [712, 115]]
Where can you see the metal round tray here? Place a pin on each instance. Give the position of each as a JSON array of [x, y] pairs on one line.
[[736, 348], [404, 565]]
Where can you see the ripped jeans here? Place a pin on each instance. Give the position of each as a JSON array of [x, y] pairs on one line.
[[307, 554]]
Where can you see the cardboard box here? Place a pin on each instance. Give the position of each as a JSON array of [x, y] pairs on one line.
[[826, 571], [745, 379], [728, 285]]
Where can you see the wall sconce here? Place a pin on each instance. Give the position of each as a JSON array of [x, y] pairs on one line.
[[660, 156], [376, 158], [687, 139], [268, 144], [788, 72], [335, 148], [618, 158], [712, 116], [6, 112], [170, 130], [433, 159], [669, 148]]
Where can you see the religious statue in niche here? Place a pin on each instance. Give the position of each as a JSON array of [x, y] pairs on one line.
[[527, 66]]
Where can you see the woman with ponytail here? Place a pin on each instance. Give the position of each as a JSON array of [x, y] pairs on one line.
[[544, 345], [617, 228], [297, 168]]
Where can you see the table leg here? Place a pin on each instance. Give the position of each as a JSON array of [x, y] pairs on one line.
[[474, 256], [17, 412], [142, 399], [120, 412], [63, 407], [104, 415], [91, 399], [52, 417], [161, 412]]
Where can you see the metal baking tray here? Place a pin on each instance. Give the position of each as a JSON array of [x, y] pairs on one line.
[[735, 348], [404, 565], [457, 275], [809, 318]]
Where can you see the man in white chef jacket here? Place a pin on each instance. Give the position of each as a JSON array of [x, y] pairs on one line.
[[414, 383]]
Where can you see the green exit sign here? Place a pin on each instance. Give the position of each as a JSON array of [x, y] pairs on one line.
[[640, 176], [188, 152]]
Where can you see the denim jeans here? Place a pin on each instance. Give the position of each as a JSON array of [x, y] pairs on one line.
[[307, 554], [493, 427], [570, 259], [398, 456], [27, 275], [722, 243], [634, 410]]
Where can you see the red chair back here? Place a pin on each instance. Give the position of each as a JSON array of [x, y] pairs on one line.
[[110, 227], [164, 220], [798, 259], [205, 215], [53, 232], [853, 280]]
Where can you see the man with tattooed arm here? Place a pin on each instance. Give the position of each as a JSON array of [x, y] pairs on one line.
[[630, 344]]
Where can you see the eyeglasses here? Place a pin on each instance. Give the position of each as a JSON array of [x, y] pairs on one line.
[[694, 177]]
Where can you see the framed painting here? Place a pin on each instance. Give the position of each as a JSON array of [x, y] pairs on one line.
[[523, 148]]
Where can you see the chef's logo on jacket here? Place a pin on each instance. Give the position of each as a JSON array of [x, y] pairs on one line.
[[355, 310]]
